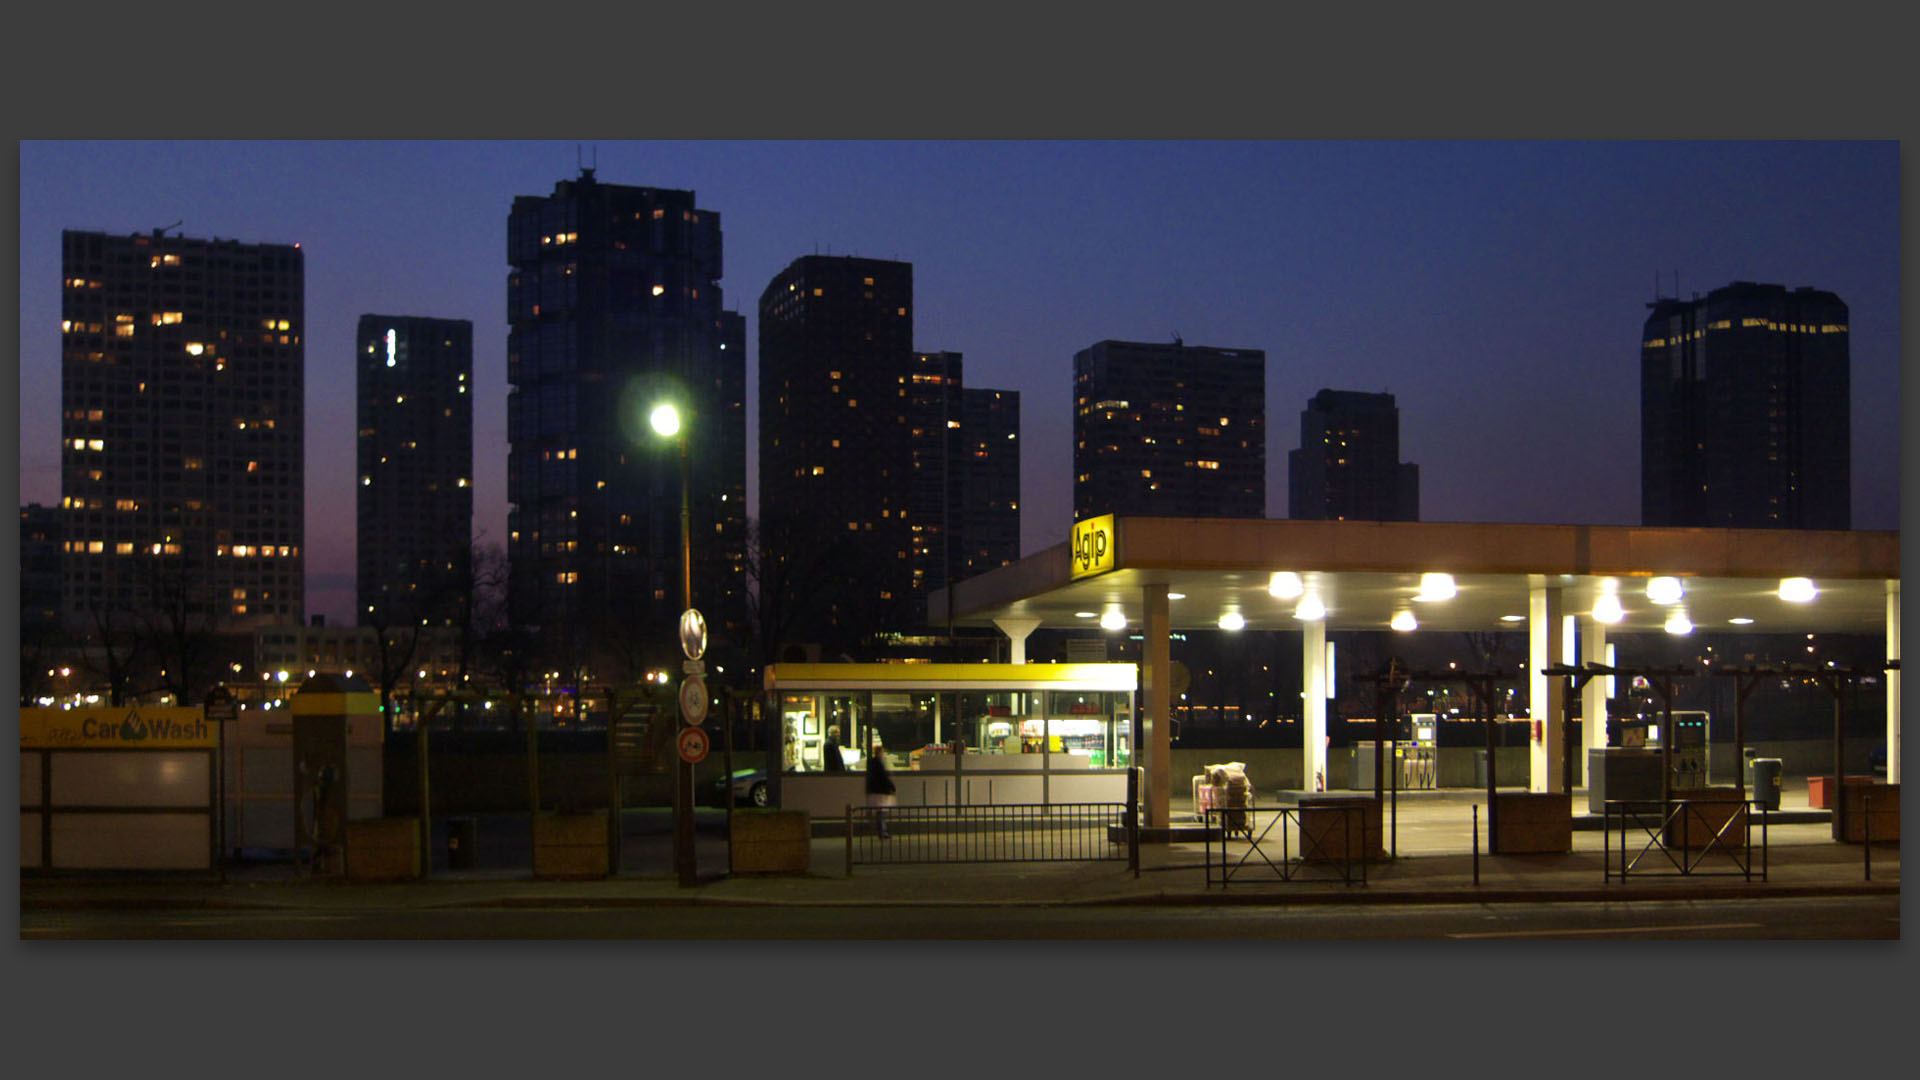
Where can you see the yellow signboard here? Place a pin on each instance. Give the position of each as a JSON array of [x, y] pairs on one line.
[[129, 727], [1094, 548]]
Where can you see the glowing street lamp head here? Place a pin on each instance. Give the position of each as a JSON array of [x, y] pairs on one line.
[[665, 419]]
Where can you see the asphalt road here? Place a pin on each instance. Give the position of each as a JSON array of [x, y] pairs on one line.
[[1813, 918]]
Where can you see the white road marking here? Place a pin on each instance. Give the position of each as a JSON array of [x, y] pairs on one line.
[[1613, 930]]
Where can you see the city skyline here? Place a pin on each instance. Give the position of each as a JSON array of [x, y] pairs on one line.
[[1496, 288]]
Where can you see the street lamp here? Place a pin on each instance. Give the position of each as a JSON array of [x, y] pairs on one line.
[[665, 420]]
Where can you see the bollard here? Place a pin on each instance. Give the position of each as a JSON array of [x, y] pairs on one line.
[[1866, 831], [1476, 843]]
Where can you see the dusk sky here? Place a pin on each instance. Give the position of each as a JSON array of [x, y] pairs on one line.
[[1497, 289]]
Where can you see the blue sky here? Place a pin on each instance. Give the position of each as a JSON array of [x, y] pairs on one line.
[[1496, 288]]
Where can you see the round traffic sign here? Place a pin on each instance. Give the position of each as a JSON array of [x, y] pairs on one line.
[[693, 744], [693, 699], [693, 633]]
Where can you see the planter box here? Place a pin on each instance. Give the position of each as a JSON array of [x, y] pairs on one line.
[[1329, 833], [1705, 813], [771, 842], [383, 849], [1532, 823], [1886, 812], [1819, 790], [570, 845]]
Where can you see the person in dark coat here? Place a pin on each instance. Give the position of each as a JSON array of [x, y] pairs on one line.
[[879, 788], [830, 758]]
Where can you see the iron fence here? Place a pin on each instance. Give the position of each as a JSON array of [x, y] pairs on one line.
[[1023, 832], [1729, 843], [1321, 845]]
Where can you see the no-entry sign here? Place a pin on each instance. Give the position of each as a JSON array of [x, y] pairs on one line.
[[693, 745]]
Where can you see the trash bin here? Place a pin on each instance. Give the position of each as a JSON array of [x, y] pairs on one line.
[[460, 837], [1766, 782]]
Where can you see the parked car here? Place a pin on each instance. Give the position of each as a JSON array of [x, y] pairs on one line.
[[749, 789]]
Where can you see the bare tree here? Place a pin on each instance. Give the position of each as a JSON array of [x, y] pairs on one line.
[[113, 650], [182, 620], [794, 571]]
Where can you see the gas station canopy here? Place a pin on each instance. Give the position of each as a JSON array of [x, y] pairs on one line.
[[1365, 573]]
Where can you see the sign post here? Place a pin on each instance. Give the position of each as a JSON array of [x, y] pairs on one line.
[[221, 711], [691, 739]]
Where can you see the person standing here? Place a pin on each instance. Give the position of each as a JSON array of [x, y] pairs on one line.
[[879, 788], [830, 757]]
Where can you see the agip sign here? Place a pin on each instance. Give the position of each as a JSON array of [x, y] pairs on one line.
[[1095, 547]]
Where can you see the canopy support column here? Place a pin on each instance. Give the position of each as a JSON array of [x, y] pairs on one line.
[[1016, 631], [1545, 694], [1158, 678], [1893, 682], [1313, 705]]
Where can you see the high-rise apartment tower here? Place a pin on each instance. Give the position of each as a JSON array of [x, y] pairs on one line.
[[181, 432], [1169, 430], [613, 306], [415, 469], [1744, 411], [1348, 466]]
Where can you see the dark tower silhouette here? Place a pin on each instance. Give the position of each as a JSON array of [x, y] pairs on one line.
[[1744, 410]]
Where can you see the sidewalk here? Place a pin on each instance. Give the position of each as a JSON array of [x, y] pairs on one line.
[[1802, 860]]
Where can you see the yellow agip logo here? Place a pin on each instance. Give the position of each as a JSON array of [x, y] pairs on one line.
[[1094, 548]]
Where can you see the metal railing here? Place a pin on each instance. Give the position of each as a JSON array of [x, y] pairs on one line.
[[1024, 832], [1729, 843], [1320, 848]]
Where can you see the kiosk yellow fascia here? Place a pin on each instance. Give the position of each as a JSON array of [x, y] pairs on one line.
[[954, 734]]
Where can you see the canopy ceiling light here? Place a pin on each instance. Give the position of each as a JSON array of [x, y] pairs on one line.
[[1403, 621], [1436, 587], [1285, 585], [1114, 619], [1606, 607], [1310, 609], [1665, 590], [1798, 590], [1678, 623], [1232, 620]]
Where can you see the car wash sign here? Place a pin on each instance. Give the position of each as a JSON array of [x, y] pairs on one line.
[[1095, 550], [128, 727]]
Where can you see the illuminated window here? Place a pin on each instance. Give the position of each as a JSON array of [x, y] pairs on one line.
[[658, 289], [125, 504], [96, 547], [124, 547], [819, 292]]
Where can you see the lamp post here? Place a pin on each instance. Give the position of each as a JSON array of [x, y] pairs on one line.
[[665, 420]]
